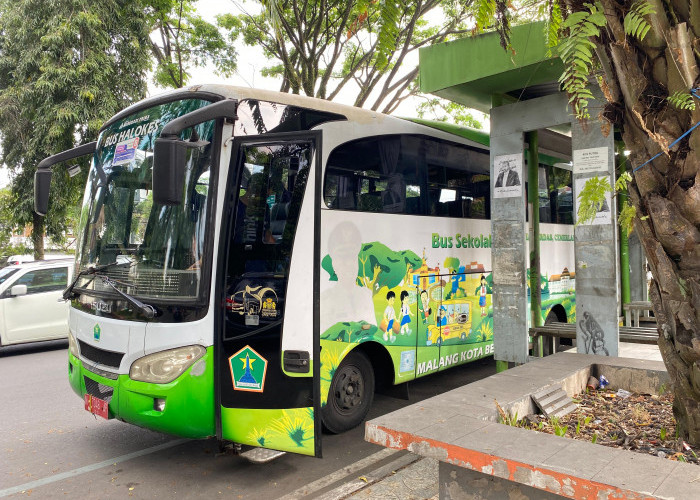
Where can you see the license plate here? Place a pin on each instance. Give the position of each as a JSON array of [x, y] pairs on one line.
[[97, 406]]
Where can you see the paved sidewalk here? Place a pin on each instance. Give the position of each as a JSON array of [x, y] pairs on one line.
[[640, 351], [419, 480]]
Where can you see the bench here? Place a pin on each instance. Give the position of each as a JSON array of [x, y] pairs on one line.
[[636, 335], [637, 308]]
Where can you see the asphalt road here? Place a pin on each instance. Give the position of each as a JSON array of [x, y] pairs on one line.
[[50, 447]]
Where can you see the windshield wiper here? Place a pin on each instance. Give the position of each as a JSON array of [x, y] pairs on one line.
[[68, 292], [146, 309]]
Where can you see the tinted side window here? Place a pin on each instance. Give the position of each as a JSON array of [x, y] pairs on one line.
[[408, 175], [262, 117], [458, 181], [45, 280], [561, 196]]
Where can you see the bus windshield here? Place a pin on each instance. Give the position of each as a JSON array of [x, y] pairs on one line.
[[157, 250]]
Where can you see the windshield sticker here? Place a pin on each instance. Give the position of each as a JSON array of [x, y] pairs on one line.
[[254, 302], [248, 369], [125, 151]]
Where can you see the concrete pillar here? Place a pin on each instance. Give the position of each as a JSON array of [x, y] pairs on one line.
[[596, 243], [509, 257]]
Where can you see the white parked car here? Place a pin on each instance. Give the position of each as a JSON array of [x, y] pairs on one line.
[[30, 309], [13, 260]]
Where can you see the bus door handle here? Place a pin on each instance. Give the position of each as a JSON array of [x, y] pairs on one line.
[[297, 361]]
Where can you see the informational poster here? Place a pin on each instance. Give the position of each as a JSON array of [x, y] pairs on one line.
[[590, 160], [603, 213], [508, 175], [125, 151]]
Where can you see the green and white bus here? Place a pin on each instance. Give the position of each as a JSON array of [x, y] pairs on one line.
[[252, 264]]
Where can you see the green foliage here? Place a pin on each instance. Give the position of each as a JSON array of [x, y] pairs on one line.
[[682, 100], [591, 198], [185, 40], [484, 13], [390, 17], [626, 217], [320, 48], [594, 439], [662, 433], [635, 25], [447, 111], [65, 67], [576, 52], [622, 181], [552, 26]]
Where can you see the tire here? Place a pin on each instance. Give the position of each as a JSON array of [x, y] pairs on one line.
[[350, 394]]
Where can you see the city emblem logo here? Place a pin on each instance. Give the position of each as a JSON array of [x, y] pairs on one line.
[[248, 369], [96, 332]]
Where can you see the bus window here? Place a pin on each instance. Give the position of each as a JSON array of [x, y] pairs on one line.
[[458, 180], [263, 117], [405, 174], [561, 195]]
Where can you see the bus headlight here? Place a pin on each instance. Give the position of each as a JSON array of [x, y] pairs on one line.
[[165, 366], [73, 345]]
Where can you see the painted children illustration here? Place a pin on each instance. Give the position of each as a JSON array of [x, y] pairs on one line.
[[405, 314], [390, 316], [425, 303], [482, 290]]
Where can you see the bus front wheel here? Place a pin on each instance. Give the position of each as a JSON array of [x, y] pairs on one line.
[[350, 394]]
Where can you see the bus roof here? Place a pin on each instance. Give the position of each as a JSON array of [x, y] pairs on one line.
[[466, 132]]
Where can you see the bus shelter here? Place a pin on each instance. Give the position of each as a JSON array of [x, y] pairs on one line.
[[529, 117]]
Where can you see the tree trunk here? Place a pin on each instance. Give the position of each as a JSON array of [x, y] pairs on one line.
[[665, 191], [38, 236]]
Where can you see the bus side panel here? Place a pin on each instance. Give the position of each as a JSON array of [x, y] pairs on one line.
[[558, 280], [410, 283], [443, 265]]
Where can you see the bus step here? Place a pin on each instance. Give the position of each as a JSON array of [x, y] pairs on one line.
[[261, 455]]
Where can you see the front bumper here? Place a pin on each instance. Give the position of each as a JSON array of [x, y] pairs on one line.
[[189, 399]]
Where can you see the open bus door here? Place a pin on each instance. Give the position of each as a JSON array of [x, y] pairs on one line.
[[268, 342]]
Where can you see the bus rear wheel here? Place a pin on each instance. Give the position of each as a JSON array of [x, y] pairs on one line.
[[350, 394]]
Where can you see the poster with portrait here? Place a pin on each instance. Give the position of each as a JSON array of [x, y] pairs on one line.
[[508, 176]]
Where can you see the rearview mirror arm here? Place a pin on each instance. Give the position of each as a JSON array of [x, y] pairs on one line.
[[42, 176]]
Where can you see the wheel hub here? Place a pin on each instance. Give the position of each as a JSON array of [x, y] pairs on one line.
[[349, 390]]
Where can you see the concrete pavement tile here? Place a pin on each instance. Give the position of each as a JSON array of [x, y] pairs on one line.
[[414, 418], [463, 407], [641, 473], [532, 447], [682, 482], [453, 428], [489, 438], [581, 459]]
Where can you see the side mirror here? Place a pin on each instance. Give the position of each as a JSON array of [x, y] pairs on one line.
[[168, 170], [169, 150], [18, 290], [42, 176], [42, 185]]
